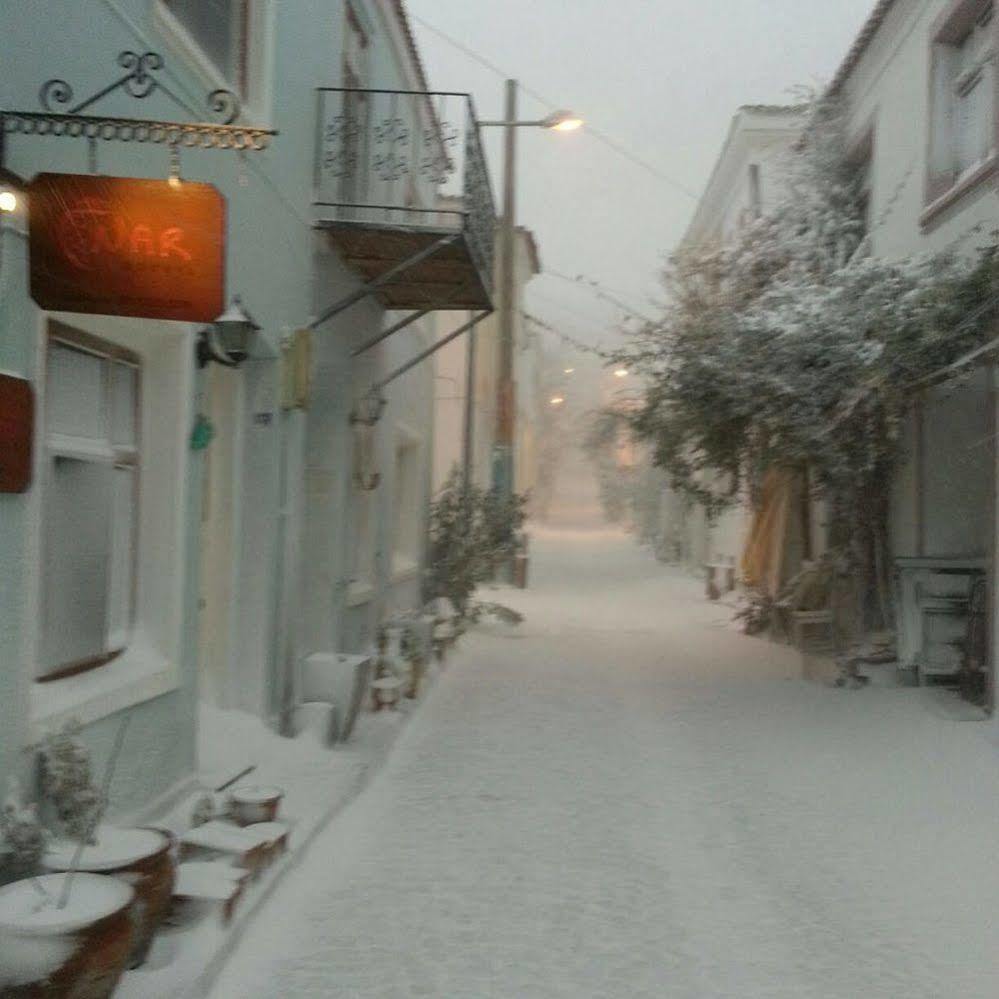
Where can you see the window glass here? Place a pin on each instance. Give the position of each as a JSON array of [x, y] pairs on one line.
[[124, 398], [219, 27], [122, 557], [90, 505], [76, 568], [75, 393]]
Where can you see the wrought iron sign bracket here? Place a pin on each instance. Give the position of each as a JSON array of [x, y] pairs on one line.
[[62, 117]]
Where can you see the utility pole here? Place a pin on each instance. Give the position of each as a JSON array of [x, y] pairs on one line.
[[503, 448]]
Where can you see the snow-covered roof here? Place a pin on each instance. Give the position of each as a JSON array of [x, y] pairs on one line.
[[859, 47], [750, 122]]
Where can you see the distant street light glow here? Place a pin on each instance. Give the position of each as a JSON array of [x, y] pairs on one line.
[[8, 201], [557, 400], [621, 373], [569, 371]]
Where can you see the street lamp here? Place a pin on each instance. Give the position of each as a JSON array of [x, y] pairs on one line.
[[621, 373], [557, 400], [559, 121], [227, 341]]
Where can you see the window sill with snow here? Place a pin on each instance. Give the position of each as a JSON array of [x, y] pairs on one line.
[[139, 674], [971, 180]]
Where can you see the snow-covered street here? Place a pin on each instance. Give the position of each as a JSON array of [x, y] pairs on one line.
[[625, 797]]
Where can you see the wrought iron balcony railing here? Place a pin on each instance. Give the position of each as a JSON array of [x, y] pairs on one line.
[[405, 161]]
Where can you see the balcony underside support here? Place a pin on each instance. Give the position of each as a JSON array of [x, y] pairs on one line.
[[407, 321], [377, 387], [373, 285]]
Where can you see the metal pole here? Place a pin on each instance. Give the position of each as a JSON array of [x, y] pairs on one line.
[[468, 438], [505, 412], [373, 285]]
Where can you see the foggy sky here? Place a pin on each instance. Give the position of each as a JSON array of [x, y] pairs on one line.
[[663, 77]]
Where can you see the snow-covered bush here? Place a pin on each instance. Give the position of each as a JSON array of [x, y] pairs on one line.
[[22, 838], [67, 783]]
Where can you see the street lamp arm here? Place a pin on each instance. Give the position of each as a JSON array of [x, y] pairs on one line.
[[541, 123]]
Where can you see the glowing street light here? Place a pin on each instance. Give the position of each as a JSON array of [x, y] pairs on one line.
[[562, 121], [8, 201], [569, 371], [557, 400], [621, 373]]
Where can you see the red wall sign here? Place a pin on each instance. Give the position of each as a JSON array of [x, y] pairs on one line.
[[120, 246], [17, 418]]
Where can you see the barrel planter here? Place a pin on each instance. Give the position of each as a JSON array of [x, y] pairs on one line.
[[254, 803], [79, 951], [142, 858]]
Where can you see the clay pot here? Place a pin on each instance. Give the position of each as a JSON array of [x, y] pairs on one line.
[[142, 858], [78, 952], [254, 803], [385, 692]]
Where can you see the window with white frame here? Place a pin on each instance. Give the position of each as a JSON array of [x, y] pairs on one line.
[[406, 500], [963, 126], [221, 30], [90, 502]]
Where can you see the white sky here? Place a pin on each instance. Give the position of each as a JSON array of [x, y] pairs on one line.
[[663, 77]]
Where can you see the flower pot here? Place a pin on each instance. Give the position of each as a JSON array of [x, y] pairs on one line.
[[142, 858], [255, 803], [385, 692], [77, 952]]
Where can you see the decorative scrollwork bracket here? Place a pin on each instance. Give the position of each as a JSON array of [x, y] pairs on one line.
[[62, 116]]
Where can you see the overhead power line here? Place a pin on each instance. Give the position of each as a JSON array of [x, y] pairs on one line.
[[601, 291], [603, 137]]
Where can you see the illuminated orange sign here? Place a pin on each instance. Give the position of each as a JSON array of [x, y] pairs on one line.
[[121, 246]]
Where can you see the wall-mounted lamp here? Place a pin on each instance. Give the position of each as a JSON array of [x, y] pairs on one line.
[[368, 409], [227, 340], [11, 191]]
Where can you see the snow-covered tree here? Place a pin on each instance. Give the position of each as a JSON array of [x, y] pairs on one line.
[[789, 346]]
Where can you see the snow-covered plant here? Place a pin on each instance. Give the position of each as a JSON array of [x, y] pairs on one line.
[[67, 783], [789, 347], [204, 810], [472, 531], [22, 837]]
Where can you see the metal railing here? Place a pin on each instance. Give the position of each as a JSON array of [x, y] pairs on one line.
[[393, 159]]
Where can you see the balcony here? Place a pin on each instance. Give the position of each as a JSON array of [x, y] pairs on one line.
[[397, 173]]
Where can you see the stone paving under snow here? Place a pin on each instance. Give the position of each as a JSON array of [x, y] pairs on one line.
[[627, 798]]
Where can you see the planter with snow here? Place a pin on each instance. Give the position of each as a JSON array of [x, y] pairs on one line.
[[385, 691], [256, 803], [142, 858], [80, 950]]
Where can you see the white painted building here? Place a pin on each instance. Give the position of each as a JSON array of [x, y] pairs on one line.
[[197, 530], [920, 84]]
